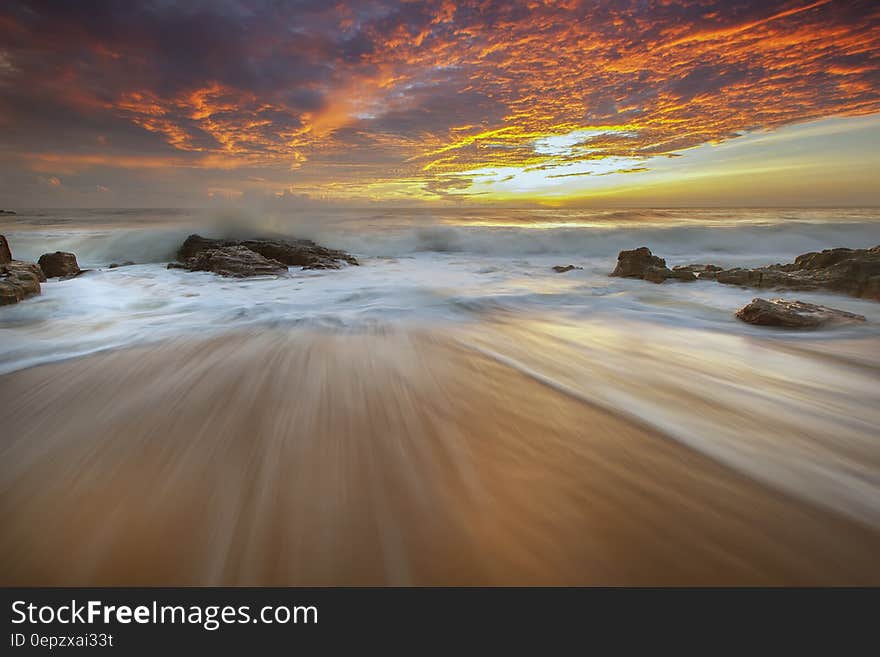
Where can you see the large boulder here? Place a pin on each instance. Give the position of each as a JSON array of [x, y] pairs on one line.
[[60, 264], [561, 269], [636, 263], [641, 263], [793, 314], [235, 261], [294, 253]]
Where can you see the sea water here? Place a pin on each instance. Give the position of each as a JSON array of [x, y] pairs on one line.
[[797, 410]]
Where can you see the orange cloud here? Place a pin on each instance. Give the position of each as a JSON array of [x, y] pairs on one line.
[[415, 97]]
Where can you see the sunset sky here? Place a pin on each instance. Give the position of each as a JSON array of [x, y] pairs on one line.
[[643, 102]]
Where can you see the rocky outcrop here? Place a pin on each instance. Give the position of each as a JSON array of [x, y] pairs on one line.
[[855, 272], [850, 271], [59, 264], [235, 261], [561, 269], [18, 279], [641, 263], [293, 253], [117, 265], [793, 314], [6, 212]]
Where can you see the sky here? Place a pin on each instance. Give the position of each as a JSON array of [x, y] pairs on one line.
[[551, 103]]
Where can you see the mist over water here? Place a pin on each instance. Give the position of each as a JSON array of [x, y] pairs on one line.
[[797, 411]]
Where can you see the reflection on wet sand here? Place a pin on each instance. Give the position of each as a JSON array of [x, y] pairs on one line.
[[383, 458]]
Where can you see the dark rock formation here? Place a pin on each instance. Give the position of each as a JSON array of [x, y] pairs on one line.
[[294, 253], [561, 269], [237, 261], [116, 265], [5, 251], [700, 271], [195, 244], [59, 264], [851, 271], [793, 314], [641, 263], [2, 212], [18, 280], [300, 253], [635, 263]]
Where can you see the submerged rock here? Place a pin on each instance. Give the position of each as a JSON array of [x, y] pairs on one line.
[[293, 253], [116, 265], [2, 212], [561, 269], [236, 261], [641, 263], [18, 279], [793, 314], [60, 263]]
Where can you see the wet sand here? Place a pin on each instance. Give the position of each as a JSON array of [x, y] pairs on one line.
[[386, 458]]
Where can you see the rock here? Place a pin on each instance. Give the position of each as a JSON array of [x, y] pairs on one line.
[[635, 263], [59, 264], [300, 253], [561, 269], [641, 263], [6, 212], [18, 281], [294, 253], [5, 251], [195, 244], [736, 276], [656, 274], [682, 275], [700, 271], [116, 265], [236, 261], [851, 271], [30, 267], [822, 259], [793, 314]]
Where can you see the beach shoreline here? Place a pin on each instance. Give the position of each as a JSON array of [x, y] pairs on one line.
[[394, 456]]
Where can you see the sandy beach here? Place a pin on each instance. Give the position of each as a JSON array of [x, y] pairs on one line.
[[385, 457]]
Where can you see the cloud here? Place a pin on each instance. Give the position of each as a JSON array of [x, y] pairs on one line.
[[353, 98]]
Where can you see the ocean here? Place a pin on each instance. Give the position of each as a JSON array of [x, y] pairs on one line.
[[798, 411]]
